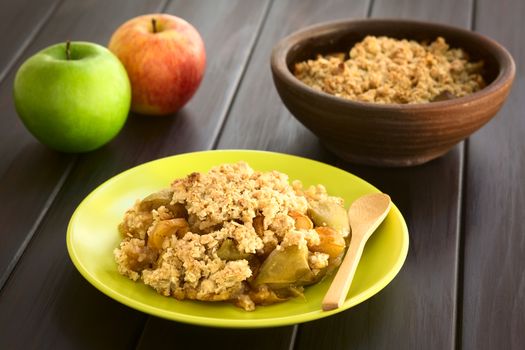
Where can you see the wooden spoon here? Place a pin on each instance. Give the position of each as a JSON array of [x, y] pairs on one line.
[[365, 214]]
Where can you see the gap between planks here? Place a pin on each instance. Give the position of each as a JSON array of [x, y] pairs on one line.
[[25, 243], [462, 206], [224, 118], [25, 44]]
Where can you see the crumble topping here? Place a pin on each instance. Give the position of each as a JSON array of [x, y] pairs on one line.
[[385, 70]]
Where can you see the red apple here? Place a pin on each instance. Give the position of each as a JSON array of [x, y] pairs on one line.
[[165, 59]]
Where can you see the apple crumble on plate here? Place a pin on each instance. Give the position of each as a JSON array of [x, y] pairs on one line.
[[233, 234]]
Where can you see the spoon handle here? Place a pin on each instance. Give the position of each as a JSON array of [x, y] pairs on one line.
[[338, 290]]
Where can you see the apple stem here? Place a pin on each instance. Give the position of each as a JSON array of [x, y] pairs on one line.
[[154, 24], [68, 50]]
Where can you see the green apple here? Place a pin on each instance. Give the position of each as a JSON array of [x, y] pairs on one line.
[[73, 97]]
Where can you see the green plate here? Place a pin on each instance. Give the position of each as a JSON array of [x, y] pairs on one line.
[[92, 235]]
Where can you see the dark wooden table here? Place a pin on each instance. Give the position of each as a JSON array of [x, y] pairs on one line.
[[462, 286]]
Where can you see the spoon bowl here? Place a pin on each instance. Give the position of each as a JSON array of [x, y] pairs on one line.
[[365, 215]]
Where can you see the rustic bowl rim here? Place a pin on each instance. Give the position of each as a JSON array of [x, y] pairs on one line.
[[507, 67]]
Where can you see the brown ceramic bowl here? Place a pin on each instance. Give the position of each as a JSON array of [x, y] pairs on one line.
[[389, 134]]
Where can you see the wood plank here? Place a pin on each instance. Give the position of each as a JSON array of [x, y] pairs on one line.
[[21, 156], [20, 21], [258, 118], [456, 13], [46, 301], [156, 330], [494, 240], [418, 310], [28, 194]]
